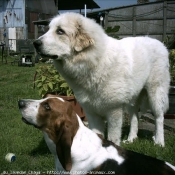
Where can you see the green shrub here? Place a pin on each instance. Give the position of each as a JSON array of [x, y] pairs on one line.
[[111, 31], [172, 66], [49, 80]]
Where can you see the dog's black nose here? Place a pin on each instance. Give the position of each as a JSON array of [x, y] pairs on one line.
[[37, 43], [21, 103]]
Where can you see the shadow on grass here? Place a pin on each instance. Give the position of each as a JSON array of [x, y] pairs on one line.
[[41, 149]]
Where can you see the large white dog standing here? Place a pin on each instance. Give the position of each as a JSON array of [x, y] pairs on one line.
[[109, 76]]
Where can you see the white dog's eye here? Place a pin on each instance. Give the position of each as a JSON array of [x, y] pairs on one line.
[[60, 31]]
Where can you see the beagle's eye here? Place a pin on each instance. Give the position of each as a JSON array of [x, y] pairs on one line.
[[60, 31], [46, 106]]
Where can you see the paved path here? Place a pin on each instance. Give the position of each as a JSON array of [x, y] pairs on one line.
[[147, 122]]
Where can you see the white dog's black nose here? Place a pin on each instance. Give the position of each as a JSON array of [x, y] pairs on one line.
[[37, 43], [21, 104]]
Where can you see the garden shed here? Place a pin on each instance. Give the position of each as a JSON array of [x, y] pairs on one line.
[[17, 16]]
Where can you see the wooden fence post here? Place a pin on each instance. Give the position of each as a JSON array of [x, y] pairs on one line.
[[134, 22], [36, 34], [164, 20]]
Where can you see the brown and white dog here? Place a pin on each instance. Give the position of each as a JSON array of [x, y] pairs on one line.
[[80, 150]]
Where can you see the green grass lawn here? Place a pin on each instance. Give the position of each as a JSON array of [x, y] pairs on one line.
[[27, 143], [24, 141]]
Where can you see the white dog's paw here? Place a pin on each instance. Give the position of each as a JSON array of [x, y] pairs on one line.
[[126, 141], [153, 138], [159, 142], [129, 140]]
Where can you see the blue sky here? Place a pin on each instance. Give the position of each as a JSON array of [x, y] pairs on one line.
[[114, 3]]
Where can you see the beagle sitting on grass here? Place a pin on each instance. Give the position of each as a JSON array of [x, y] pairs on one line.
[[78, 149]]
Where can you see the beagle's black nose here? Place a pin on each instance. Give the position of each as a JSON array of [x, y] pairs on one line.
[[37, 43], [21, 103]]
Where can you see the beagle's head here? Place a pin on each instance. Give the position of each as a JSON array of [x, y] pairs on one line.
[[56, 117]]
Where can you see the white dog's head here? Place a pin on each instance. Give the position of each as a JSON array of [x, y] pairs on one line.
[[68, 35]]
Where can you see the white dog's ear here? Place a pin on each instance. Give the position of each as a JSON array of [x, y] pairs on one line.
[[82, 40]]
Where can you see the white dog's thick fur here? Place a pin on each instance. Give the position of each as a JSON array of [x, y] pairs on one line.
[[109, 76]]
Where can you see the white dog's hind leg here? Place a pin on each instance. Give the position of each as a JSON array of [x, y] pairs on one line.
[[159, 131], [159, 103], [115, 119]]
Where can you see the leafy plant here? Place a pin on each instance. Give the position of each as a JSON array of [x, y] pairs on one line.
[[172, 66], [48, 79], [170, 41], [111, 31], [170, 44]]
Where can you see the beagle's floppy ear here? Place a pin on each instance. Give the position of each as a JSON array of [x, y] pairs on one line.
[[82, 40], [63, 145], [66, 130]]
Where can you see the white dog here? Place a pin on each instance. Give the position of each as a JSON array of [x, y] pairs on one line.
[[109, 76]]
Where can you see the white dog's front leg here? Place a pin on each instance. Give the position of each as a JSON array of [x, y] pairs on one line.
[[115, 119], [96, 123], [133, 129], [133, 112]]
